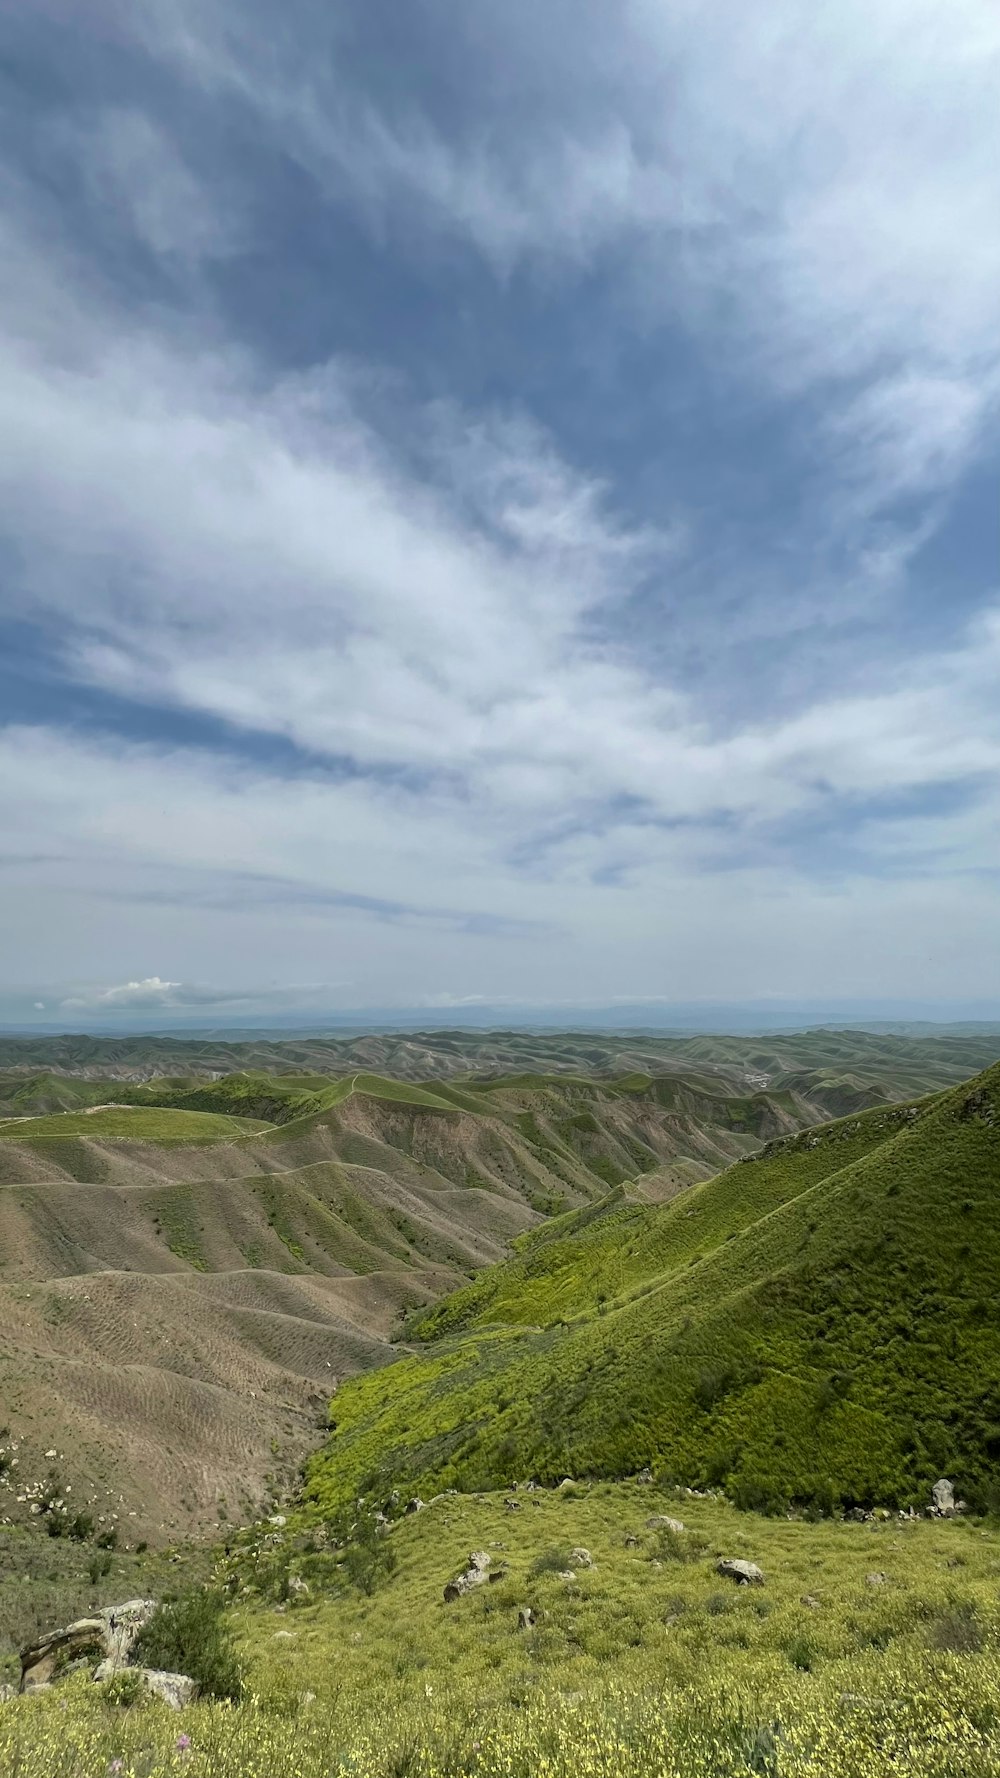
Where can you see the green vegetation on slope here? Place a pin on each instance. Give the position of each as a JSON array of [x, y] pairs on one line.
[[818, 1325], [132, 1124], [870, 1648]]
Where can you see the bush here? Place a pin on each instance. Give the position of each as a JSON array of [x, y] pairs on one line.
[[551, 1562], [956, 1632], [125, 1689], [190, 1635]]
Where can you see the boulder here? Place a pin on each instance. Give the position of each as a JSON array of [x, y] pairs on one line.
[[812, 1603], [473, 1576], [7, 1692], [298, 1586], [876, 1578], [175, 1689], [526, 1619], [943, 1499], [581, 1558], [745, 1574], [663, 1522], [41, 1661], [109, 1634], [415, 1505]]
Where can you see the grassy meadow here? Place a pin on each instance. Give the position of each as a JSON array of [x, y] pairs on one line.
[[871, 1647]]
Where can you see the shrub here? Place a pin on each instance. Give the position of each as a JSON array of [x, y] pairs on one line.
[[551, 1562], [956, 1632], [125, 1689], [190, 1635]]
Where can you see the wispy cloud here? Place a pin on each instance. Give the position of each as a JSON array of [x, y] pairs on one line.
[[589, 634]]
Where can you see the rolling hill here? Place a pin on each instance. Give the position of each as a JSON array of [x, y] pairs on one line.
[[816, 1325], [190, 1265], [187, 1272]]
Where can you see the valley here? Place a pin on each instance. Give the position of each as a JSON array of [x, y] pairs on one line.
[[191, 1265]]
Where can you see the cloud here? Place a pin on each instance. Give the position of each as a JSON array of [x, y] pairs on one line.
[[449, 663]]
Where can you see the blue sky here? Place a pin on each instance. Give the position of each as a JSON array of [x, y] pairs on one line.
[[498, 503]]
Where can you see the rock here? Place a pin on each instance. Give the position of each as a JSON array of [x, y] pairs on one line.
[[526, 1619], [277, 1519], [473, 1576], [175, 1689], [567, 1482], [876, 1578], [581, 1558], [943, 1499], [42, 1660], [662, 1522], [512, 1506], [283, 1636], [813, 1604], [566, 1574], [415, 1505], [745, 1574], [109, 1634], [631, 1542], [645, 1475], [122, 1625], [298, 1586], [7, 1692]]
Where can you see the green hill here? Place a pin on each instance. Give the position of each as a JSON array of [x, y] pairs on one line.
[[817, 1325]]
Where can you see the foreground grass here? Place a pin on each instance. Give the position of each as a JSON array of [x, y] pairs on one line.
[[645, 1663]]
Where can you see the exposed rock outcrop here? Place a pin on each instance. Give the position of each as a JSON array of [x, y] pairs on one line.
[[745, 1574], [473, 1576]]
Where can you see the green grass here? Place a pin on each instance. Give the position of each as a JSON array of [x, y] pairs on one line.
[[817, 1325], [645, 1665], [157, 1125]]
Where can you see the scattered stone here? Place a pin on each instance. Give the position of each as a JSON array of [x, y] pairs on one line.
[[745, 1574], [943, 1500], [298, 1586], [566, 1574], [512, 1506], [645, 1475], [876, 1578], [663, 1522], [581, 1558], [415, 1505], [631, 1542], [473, 1576], [526, 1619], [811, 1602], [283, 1636], [175, 1689], [567, 1482], [278, 1519]]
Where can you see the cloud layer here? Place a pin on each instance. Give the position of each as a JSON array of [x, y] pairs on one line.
[[505, 521]]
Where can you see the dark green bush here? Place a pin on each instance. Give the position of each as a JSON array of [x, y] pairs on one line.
[[191, 1635]]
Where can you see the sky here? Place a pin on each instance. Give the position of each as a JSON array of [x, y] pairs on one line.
[[498, 505]]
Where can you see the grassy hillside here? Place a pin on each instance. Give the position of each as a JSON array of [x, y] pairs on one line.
[[132, 1123], [817, 1325], [869, 1649]]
